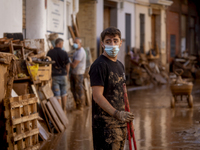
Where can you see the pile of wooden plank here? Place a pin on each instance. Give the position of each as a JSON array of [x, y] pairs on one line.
[[31, 92], [22, 49], [27, 49], [142, 69], [189, 64], [52, 110], [55, 114], [74, 30]]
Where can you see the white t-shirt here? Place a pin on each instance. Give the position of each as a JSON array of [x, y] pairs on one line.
[[79, 55]]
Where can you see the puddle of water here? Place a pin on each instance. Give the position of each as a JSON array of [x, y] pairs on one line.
[[157, 126]]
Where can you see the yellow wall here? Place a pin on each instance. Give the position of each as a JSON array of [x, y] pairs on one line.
[[163, 38], [162, 45]]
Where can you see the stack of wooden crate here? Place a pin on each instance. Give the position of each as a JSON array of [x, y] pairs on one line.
[[21, 122]]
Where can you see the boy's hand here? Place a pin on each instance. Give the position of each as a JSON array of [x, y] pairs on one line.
[[123, 116]]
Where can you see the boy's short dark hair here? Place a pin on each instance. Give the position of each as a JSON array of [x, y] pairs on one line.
[[111, 31], [58, 40]]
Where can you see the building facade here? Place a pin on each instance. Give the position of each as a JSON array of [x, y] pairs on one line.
[[183, 28], [36, 19], [150, 18], [95, 16]]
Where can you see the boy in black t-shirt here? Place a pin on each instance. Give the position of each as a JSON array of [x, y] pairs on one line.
[[108, 109]]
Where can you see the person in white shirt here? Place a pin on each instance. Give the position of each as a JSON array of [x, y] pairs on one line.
[[78, 67]]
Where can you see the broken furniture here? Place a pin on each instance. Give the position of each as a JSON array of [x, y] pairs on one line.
[[181, 89], [187, 64], [140, 69], [19, 77], [12, 46], [8, 71]]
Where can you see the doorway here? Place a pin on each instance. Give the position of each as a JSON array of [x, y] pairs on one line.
[[110, 9]]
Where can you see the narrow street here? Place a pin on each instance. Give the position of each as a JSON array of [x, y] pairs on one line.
[[157, 126]]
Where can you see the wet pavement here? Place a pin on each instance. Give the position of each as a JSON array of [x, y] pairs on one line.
[[157, 125]]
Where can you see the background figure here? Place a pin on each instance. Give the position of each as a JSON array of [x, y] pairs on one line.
[[59, 72], [78, 67]]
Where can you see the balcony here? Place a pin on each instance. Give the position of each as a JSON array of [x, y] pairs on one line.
[[161, 2]]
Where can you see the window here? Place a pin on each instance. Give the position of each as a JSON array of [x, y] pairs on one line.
[[142, 32]]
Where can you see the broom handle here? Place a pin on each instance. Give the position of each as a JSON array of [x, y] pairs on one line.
[[129, 136], [127, 107]]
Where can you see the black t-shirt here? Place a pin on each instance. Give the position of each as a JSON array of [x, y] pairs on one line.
[[61, 58], [111, 76]]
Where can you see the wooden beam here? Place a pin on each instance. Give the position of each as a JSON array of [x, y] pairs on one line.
[[44, 102], [75, 26], [55, 117], [35, 147], [24, 119], [87, 92], [72, 32], [26, 134], [58, 109], [23, 102], [47, 91]]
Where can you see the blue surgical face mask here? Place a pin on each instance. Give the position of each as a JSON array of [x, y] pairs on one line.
[[112, 51], [75, 45]]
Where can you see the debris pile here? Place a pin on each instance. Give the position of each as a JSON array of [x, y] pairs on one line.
[[142, 69], [30, 106], [189, 65]]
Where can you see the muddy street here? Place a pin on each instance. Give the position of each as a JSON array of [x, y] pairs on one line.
[[157, 126]]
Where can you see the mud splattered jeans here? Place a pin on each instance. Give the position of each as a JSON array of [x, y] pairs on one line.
[[77, 89], [109, 139], [59, 84]]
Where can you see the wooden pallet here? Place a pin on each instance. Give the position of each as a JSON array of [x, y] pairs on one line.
[[21, 124]]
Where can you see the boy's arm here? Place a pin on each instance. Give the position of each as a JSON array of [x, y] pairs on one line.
[[107, 107], [98, 97]]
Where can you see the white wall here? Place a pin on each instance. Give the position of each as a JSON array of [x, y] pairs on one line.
[[121, 21], [143, 10], [37, 18], [99, 24], [10, 16], [100, 10]]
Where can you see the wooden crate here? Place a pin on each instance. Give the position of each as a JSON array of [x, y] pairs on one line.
[[44, 73], [21, 123]]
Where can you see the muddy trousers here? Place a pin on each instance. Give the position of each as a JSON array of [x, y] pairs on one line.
[[103, 139], [77, 89]]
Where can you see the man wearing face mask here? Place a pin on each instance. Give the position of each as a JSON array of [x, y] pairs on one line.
[[78, 67], [108, 109]]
